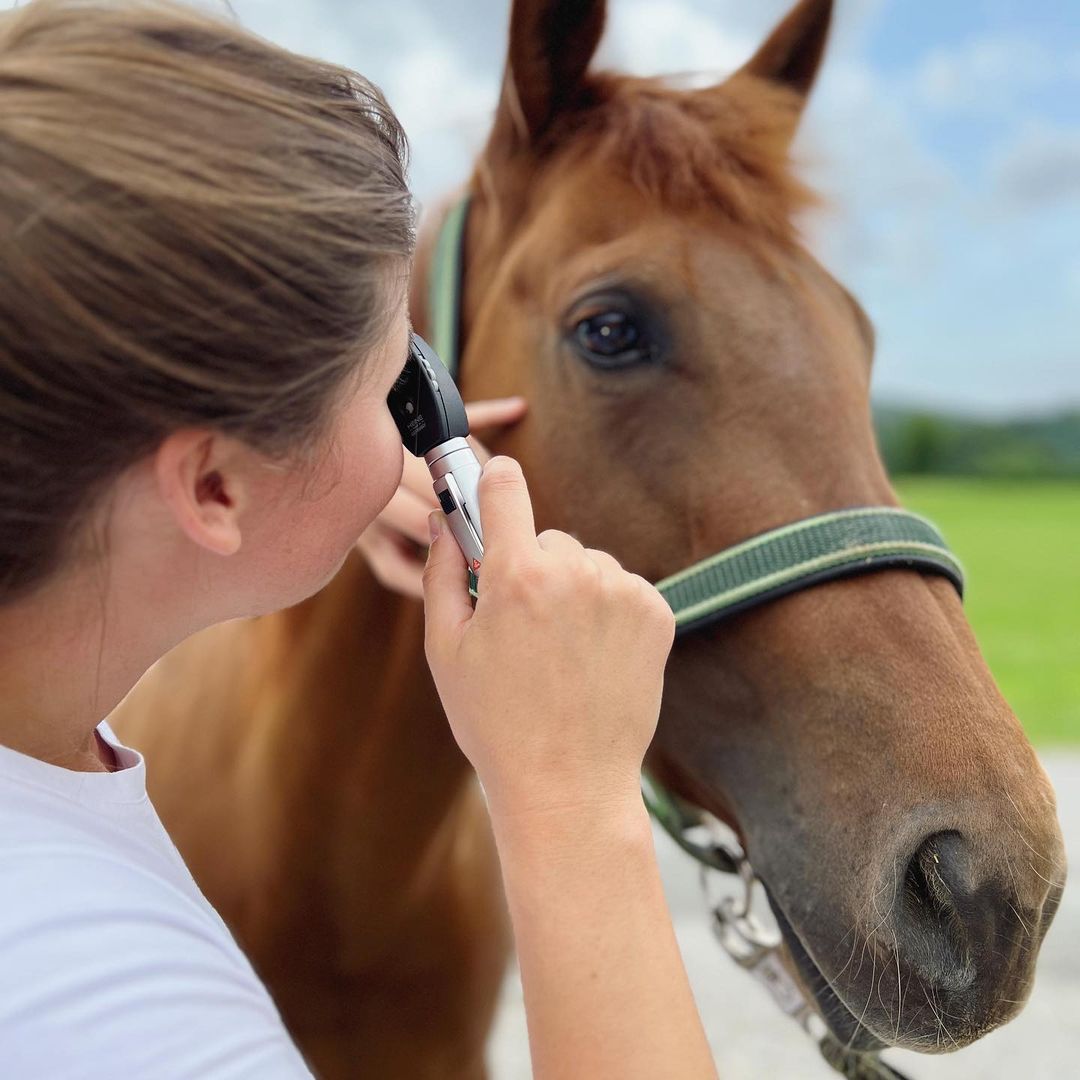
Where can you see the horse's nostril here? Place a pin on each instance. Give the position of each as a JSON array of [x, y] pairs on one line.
[[937, 910], [931, 882]]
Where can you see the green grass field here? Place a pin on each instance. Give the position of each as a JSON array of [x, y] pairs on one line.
[[1019, 542]]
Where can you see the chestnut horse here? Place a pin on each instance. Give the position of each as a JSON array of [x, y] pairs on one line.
[[695, 377]]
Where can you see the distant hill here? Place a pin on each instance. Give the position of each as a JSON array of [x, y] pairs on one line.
[[914, 441]]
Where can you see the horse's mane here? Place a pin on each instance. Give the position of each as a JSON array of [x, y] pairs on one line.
[[726, 147]]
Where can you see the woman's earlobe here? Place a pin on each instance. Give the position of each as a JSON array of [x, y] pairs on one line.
[[219, 533], [217, 511], [203, 501]]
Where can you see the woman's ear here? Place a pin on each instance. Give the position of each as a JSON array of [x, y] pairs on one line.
[[199, 480]]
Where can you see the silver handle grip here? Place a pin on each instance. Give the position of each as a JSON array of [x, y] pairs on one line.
[[455, 472]]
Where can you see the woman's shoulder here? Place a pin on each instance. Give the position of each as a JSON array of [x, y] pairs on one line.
[[104, 959], [65, 847]]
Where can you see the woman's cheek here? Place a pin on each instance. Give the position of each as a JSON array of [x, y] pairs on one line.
[[374, 468], [391, 461]]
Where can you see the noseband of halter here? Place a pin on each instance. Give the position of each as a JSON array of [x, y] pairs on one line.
[[813, 550]]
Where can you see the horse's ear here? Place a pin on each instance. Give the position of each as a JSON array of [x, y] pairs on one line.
[[551, 44], [792, 53]]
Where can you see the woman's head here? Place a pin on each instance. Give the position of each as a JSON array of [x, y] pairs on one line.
[[205, 244]]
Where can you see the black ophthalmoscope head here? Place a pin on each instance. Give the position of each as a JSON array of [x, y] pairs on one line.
[[425, 403], [431, 419]]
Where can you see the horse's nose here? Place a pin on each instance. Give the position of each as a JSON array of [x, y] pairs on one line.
[[954, 913]]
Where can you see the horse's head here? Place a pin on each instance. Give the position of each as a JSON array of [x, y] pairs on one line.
[[696, 377]]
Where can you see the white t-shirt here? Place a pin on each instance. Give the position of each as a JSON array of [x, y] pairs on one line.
[[113, 965]]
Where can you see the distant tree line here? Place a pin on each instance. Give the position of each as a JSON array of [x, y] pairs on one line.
[[917, 441]]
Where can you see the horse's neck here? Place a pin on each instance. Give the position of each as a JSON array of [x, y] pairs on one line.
[[377, 748], [371, 782], [314, 739]]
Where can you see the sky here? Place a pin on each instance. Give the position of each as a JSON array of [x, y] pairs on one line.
[[945, 137]]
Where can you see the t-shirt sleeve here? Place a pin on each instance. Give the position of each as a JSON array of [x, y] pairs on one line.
[[108, 971]]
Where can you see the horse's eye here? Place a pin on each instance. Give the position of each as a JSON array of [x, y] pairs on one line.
[[611, 339]]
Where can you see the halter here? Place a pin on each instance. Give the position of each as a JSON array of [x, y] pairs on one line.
[[813, 550]]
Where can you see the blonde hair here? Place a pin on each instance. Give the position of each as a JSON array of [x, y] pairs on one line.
[[196, 227]]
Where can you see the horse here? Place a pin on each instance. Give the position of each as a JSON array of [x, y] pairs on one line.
[[631, 264]]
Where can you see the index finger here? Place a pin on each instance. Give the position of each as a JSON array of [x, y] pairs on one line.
[[483, 455], [506, 512]]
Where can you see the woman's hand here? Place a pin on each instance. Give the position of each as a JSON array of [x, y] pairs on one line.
[[395, 544]]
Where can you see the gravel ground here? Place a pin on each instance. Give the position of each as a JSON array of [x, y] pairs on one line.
[[751, 1039]]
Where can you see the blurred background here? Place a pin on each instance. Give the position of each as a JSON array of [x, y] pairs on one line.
[[946, 140]]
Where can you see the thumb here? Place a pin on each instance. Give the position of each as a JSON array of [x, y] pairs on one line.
[[447, 603]]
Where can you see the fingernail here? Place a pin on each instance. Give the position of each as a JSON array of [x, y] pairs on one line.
[[434, 522]]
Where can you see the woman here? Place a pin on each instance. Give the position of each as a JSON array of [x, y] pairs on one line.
[[203, 281]]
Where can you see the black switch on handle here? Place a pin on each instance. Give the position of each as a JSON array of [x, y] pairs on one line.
[[447, 501]]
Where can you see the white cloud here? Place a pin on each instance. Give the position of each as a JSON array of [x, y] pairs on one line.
[[447, 110], [659, 37], [986, 74], [1040, 166], [860, 148], [443, 99], [707, 39]]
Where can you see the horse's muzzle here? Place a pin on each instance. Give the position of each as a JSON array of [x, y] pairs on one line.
[[946, 952], [964, 929]]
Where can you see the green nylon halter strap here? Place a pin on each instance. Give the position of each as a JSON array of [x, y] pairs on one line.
[[444, 285], [815, 549]]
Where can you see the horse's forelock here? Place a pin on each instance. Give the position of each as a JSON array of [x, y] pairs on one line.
[[724, 147]]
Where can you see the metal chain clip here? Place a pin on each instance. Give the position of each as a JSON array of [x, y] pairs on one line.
[[757, 947]]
